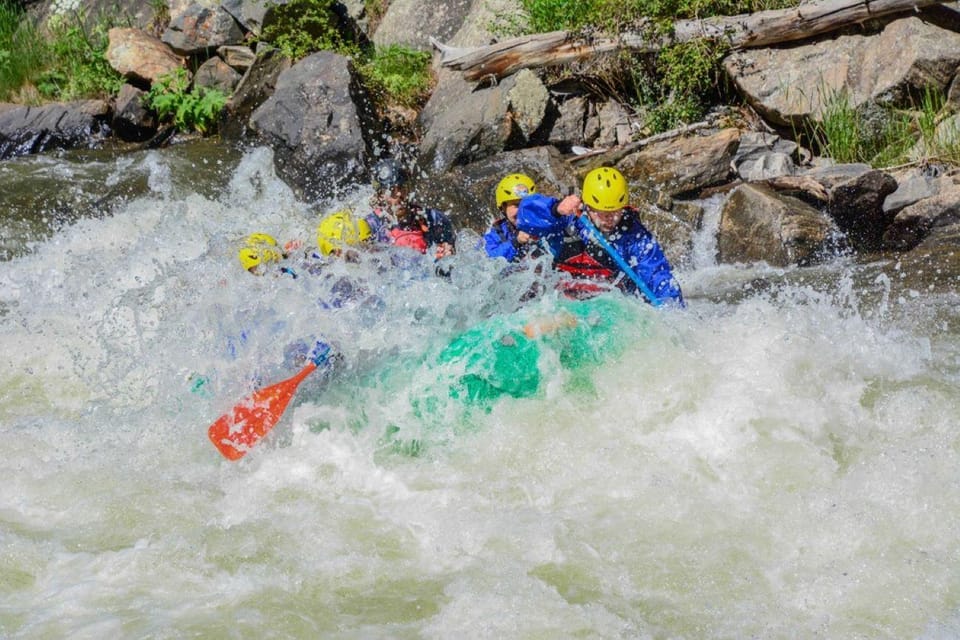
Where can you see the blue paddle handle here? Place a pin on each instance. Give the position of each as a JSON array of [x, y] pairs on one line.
[[320, 353], [598, 237]]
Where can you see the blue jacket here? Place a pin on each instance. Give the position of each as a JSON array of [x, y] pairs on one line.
[[591, 268], [500, 241]]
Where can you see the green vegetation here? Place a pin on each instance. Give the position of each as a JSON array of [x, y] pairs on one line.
[[22, 51], [393, 75], [673, 87], [399, 75], [79, 68], [190, 109], [883, 137], [67, 65], [301, 27]]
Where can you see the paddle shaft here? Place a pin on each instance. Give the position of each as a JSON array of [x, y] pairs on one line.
[[598, 237]]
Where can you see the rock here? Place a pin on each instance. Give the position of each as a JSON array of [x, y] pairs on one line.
[[140, 57], [257, 84], [758, 224], [132, 121], [684, 164], [200, 29], [218, 75], [792, 84], [25, 130], [916, 222], [237, 56], [857, 207], [411, 23], [314, 126]]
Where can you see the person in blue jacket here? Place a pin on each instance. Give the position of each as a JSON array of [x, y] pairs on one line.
[[503, 239], [591, 269]]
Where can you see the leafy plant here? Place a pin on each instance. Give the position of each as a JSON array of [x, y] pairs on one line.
[[931, 104], [78, 66], [190, 109], [22, 51], [398, 74], [301, 27], [838, 132], [874, 135]]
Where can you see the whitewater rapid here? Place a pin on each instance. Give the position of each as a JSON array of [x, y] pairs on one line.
[[779, 460]]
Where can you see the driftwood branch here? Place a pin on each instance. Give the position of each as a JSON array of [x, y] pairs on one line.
[[740, 32], [612, 156]]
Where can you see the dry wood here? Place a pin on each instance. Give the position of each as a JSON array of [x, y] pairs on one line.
[[744, 31], [614, 155], [800, 184]]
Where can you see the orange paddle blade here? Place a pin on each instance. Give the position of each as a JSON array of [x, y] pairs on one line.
[[237, 431]]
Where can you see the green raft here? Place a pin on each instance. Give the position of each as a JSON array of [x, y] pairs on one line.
[[439, 393]]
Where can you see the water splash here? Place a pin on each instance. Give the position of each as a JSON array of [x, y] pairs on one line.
[[775, 462]]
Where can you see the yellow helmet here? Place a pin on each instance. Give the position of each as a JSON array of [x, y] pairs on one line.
[[514, 187], [605, 189], [259, 248], [341, 228]]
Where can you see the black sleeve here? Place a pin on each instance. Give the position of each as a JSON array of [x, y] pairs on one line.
[[440, 228]]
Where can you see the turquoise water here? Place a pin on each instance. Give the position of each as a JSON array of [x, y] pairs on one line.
[[778, 461]]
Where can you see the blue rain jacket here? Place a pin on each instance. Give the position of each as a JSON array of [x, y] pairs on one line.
[[592, 270]]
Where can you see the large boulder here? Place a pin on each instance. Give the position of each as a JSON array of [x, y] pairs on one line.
[[255, 87], [199, 29], [411, 23], [315, 121], [139, 56], [26, 130], [792, 85], [758, 224], [684, 165]]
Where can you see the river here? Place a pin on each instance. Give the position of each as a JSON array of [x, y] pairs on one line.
[[779, 460]]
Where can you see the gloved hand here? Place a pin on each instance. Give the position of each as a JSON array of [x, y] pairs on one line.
[[320, 353]]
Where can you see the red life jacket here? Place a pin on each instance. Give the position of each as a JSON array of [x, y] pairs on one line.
[[589, 277], [412, 238]]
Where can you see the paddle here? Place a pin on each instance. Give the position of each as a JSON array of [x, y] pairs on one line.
[[606, 246], [238, 430]]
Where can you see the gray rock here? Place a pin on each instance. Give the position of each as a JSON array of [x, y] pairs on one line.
[[200, 29], [26, 130], [315, 127]]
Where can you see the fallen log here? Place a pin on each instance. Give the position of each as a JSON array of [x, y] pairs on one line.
[[753, 30], [613, 156]]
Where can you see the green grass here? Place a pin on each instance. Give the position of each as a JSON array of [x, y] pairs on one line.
[[79, 68], [67, 65], [399, 75], [22, 51], [889, 138]]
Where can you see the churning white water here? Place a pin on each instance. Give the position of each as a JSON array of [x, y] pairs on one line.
[[776, 461]]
